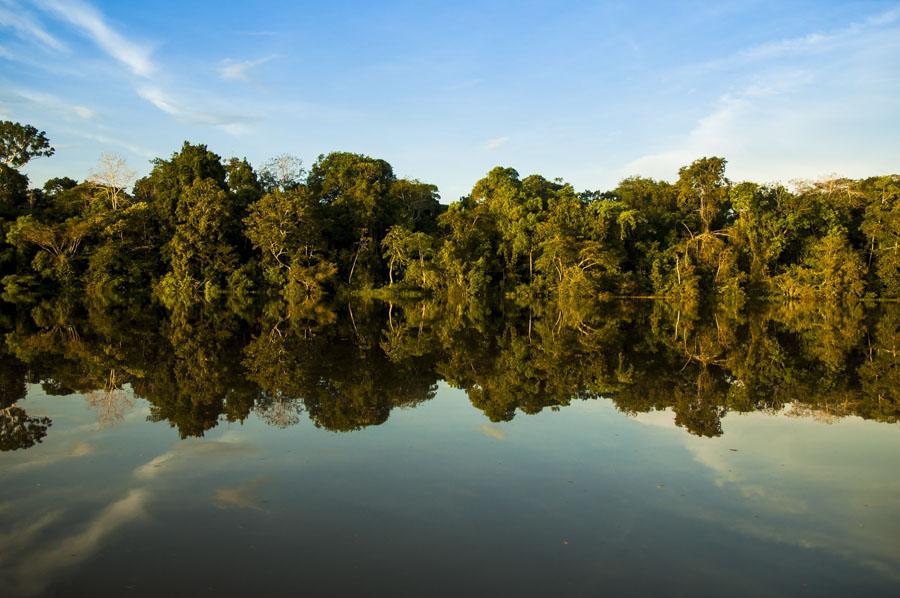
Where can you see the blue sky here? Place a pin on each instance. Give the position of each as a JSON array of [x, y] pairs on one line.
[[590, 92]]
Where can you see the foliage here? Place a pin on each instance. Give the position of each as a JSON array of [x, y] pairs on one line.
[[197, 365], [203, 229], [20, 143]]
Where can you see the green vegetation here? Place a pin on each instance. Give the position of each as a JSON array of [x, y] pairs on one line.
[[202, 230], [348, 365], [213, 289]]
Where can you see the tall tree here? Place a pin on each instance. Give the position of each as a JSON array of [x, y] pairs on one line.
[[702, 187], [112, 178], [20, 143]]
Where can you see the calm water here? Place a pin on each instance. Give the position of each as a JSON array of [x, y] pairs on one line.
[[430, 491]]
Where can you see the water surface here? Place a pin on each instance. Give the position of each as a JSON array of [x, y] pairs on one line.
[[393, 481]]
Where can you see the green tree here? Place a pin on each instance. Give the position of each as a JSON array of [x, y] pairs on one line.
[[285, 228], [881, 226], [410, 253], [201, 257], [20, 143], [703, 188], [170, 179]]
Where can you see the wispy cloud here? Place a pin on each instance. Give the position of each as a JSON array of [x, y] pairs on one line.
[[492, 431], [25, 533], [788, 117], [15, 17], [805, 492], [721, 132], [242, 496], [819, 41], [92, 24], [34, 565], [727, 130], [36, 61], [158, 98], [227, 446], [55, 104], [161, 92], [229, 122], [806, 44], [495, 143], [239, 70], [53, 457], [107, 140]]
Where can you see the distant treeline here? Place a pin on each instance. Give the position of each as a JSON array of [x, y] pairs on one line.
[[202, 230]]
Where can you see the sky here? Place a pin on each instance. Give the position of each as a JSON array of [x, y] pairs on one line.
[[590, 92]]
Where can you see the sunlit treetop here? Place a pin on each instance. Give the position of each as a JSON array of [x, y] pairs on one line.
[[20, 143]]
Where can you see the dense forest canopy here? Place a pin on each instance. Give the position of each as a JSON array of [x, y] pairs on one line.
[[200, 229], [212, 288]]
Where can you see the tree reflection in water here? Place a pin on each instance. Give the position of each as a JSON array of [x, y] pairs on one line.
[[347, 366]]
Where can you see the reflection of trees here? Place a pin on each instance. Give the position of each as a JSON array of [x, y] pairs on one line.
[[110, 402], [278, 410], [17, 429], [195, 376], [13, 374], [340, 373], [879, 373], [20, 431], [352, 366]]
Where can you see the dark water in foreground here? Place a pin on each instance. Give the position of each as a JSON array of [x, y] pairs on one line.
[[443, 490]]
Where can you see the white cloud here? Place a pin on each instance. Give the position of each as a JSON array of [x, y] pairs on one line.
[[492, 432], [790, 118], [714, 134], [138, 60], [228, 446], [495, 143], [15, 17], [55, 104], [158, 98], [36, 61], [24, 533], [106, 140], [239, 70], [801, 45], [779, 135], [235, 129], [815, 42], [34, 565], [806, 490], [778, 48], [242, 496], [229, 122], [91, 23], [886, 18]]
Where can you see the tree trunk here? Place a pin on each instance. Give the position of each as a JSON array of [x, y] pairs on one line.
[[422, 267], [353, 267]]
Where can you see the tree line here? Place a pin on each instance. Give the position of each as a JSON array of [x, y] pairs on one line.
[[202, 231]]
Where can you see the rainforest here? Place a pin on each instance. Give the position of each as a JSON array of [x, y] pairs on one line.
[[203, 232], [213, 288], [331, 358]]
